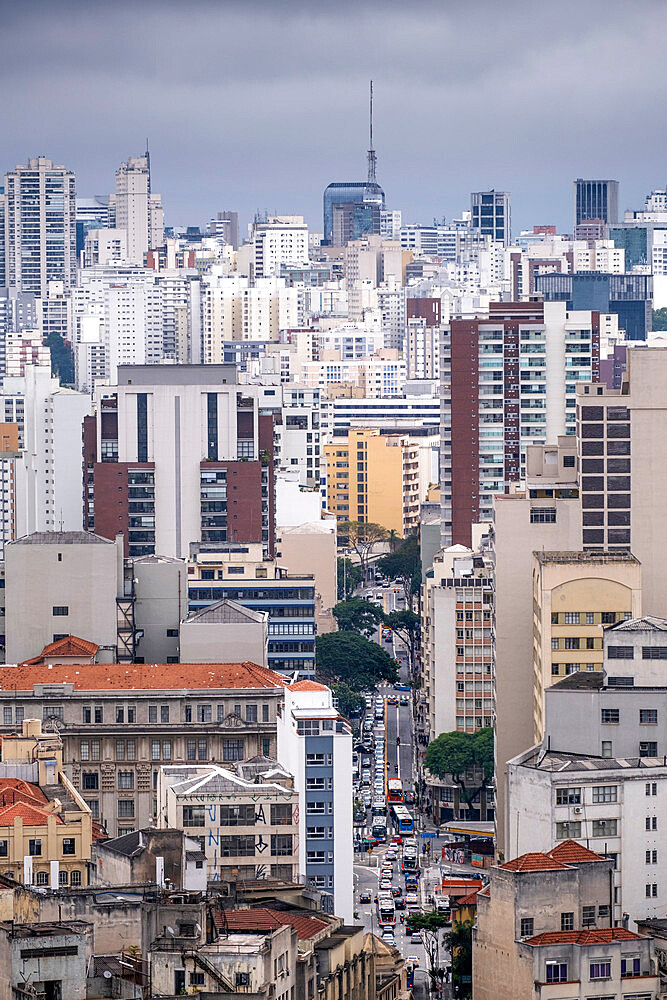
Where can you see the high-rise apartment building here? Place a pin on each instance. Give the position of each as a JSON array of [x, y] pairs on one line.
[[40, 226], [507, 381], [180, 454], [226, 226], [595, 200], [278, 240], [490, 214], [315, 745], [136, 209]]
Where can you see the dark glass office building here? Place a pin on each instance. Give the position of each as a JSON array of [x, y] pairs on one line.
[[595, 200], [357, 206], [490, 214], [628, 295]]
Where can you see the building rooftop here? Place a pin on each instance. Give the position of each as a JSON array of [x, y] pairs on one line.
[[534, 862], [645, 624], [226, 612], [140, 676], [585, 557], [62, 538], [308, 686], [597, 935], [264, 918], [580, 680], [561, 760], [569, 852], [469, 900], [70, 646]]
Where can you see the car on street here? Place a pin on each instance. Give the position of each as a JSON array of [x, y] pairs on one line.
[[411, 898], [385, 884], [412, 960], [367, 799], [399, 903], [396, 890], [364, 897], [388, 937], [404, 699], [416, 938], [397, 839], [391, 854], [392, 700]]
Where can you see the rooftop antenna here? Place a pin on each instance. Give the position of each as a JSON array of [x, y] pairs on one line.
[[372, 159]]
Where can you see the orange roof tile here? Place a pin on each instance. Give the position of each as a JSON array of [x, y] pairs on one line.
[[533, 863], [263, 918], [31, 815], [140, 676], [598, 935], [570, 852], [16, 790], [71, 645], [469, 900], [308, 686]]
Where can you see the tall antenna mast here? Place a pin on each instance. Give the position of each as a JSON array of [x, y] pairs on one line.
[[372, 159]]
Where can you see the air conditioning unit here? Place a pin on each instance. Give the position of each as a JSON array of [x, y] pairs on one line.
[[577, 809]]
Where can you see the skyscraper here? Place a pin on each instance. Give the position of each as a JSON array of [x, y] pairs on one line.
[[353, 208], [595, 200], [137, 210], [490, 214], [40, 226]]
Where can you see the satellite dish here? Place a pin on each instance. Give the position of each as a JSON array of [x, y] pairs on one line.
[[106, 974]]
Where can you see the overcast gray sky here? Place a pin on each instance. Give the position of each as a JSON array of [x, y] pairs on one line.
[[254, 104]]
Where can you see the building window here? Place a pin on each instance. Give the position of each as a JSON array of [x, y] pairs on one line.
[[610, 716], [191, 750], [42, 878], [204, 713], [568, 830], [152, 713], [654, 652], [600, 970], [75, 877], [193, 816], [648, 748], [630, 967], [34, 848], [155, 750], [232, 750], [266, 746], [604, 828], [63, 879], [588, 916], [126, 780], [527, 925], [94, 806], [651, 787], [568, 796], [172, 633], [572, 617], [542, 515], [652, 857], [90, 780], [606, 747], [556, 972], [166, 749], [202, 750], [4, 848], [281, 844], [605, 793], [120, 716], [60, 610], [69, 845], [164, 713], [125, 808], [651, 823], [251, 713], [567, 921], [648, 716]]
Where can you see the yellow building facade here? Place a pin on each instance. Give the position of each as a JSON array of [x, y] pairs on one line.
[[575, 595], [374, 478]]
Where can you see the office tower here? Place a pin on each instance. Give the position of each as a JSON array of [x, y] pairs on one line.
[[628, 296], [490, 214], [354, 208], [226, 226], [315, 744], [595, 200], [136, 209], [507, 381], [180, 454], [40, 226]]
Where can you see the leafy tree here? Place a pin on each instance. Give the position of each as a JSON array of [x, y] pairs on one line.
[[349, 702], [362, 536], [357, 615], [407, 626], [404, 565], [349, 577], [459, 942], [354, 660], [62, 362], [461, 755], [660, 318], [430, 926]]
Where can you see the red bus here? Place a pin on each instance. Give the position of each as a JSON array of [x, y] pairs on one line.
[[394, 790]]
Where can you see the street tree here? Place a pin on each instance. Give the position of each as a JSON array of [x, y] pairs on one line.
[[353, 659], [465, 757], [407, 626], [404, 565], [430, 926], [349, 577], [349, 702], [362, 537], [358, 615], [459, 942]]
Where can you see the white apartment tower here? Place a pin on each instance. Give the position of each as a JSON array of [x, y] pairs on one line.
[[40, 226], [137, 210]]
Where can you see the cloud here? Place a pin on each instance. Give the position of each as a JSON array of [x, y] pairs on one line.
[[260, 104]]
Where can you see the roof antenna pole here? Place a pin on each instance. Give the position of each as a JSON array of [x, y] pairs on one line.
[[371, 151]]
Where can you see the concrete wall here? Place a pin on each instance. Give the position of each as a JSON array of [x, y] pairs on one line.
[[311, 548], [161, 587], [223, 642]]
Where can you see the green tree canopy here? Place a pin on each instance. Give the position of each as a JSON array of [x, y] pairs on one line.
[[407, 626], [357, 615], [362, 537], [353, 659], [460, 756], [404, 565], [349, 577], [429, 926], [349, 702], [660, 319], [460, 944]]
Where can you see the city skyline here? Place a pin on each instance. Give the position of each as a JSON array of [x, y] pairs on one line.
[[268, 122]]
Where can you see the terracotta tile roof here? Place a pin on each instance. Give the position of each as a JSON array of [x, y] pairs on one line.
[[598, 935], [140, 676], [307, 686], [16, 790], [570, 852], [71, 645], [263, 918], [469, 900], [453, 886], [31, 815], [533, 863]]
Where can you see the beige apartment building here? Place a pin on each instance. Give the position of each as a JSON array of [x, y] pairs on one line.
[[575, 594], [376, 478], [119, 723]]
